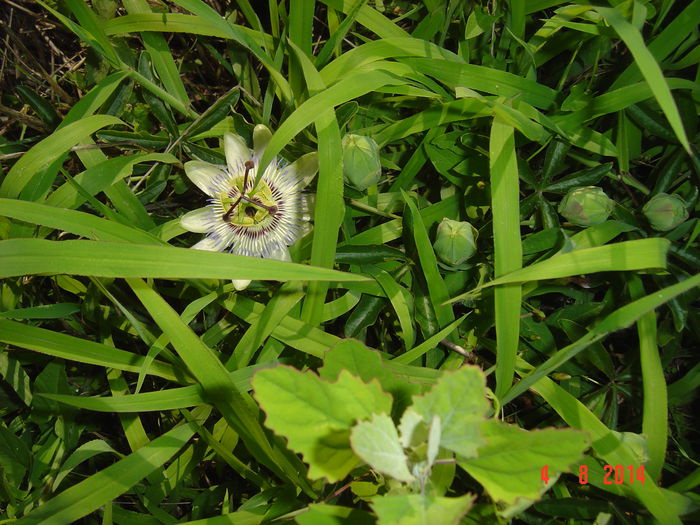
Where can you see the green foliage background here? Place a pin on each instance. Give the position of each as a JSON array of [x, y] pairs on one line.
[[139, 387]]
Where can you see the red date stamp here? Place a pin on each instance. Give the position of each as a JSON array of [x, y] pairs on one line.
[[612, 474]]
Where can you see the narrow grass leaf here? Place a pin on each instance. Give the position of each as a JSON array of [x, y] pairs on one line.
[[76, 222], [329, 208], [401, 301], [100, 177], [617, 320], [111, 482], [160, 400], [369, 17], [211, 374], [276, 309], [655, 397], [428, 263], [641, 254], [649, 68], [159, 51], [112, 259], [80, 350], [505, 206], [50, 149]]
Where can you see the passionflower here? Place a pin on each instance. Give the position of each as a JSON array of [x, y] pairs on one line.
[[260, 223]]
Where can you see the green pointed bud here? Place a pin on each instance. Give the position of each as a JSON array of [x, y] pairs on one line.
[[664, 212], [455, 241], [586, 206], [361, 165]]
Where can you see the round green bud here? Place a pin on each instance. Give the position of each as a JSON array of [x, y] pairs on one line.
[[455, 241], [664, 212], [586, 206], [361, 164]]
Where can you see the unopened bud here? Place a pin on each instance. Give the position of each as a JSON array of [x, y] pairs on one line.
[[455, 241], [361, 164], [586, 206], [664, 212]]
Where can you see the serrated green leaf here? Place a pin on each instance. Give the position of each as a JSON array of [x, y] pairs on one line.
[[459, 400], [377, 443], [367, 364], [316, 416], [509, 465], [419, 509]]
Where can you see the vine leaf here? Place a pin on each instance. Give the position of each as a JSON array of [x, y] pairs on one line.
[[510, 462], [377, 443], [459, 400], [419, 509], [316, 415]]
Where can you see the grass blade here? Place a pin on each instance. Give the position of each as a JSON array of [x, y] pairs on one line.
[[110, 483], [505, 208], [650, 70], [111, 259], [50, 149]]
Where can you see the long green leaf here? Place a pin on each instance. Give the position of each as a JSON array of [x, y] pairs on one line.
[[211, 374], [617, 320], [328, 213], [76, 222], [650, 70], [159, 51], [66, 346], [641, 254], [508, 252], [50, 149], [655, 400], [111, 259], [111, 482]]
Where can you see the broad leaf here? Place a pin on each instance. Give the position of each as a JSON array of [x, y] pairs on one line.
[[459, 400], [367, 364], [509, 465], [418, 509], [316, 416], [377, 443]]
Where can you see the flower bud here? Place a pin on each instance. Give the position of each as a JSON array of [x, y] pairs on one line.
[[455, 241], [664, 212], [586, 206], [361, 165]]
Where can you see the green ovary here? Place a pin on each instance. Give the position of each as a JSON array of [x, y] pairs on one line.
[[251, 210]]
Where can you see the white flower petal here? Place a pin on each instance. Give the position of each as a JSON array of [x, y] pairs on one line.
[[211, 244], [307, 206], [280, 253], [202, 174], [305, 168], [240, 284], [261, 136], [304, 229], [237, 153], [197, 221]]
